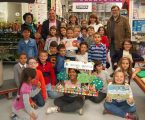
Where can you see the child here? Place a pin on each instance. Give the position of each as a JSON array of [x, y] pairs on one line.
[[21, 106], [27, 44], [63, 33], [52, 37], [77, 32], [105, 77], [48, 72], [126, 51], [122, 108], [83, 54], [69, 102], [84, 32], [97, 51], [70, 54], [104, 40], [84, 23], [38, 84], [60, 59], [19, 67], [89, 39], [126, 66], [39, 41]]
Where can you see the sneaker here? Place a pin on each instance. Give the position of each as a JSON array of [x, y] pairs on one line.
[[13, 116], [130, 116], [81, 111], [52, 110]]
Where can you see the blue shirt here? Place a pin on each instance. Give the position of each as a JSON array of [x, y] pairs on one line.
[[29, 48]]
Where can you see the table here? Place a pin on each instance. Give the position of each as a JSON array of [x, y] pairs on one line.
[[140, 83]]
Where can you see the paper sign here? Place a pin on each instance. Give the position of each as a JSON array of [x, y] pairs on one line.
[[79, 65], [71, 44], [119, 92]]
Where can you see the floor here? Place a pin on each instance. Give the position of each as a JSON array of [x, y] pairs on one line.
[[91, 111]]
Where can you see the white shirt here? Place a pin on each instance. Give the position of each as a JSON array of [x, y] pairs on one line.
[[25, 65], [96, 27], [127, 54], [82, 58]]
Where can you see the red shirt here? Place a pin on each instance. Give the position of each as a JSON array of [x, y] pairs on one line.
[[105, 41], [48, 73], [40, 77]]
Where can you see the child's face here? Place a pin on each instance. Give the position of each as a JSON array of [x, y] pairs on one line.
[[101, 31], [62, 51], [84, 24], [84, 33], [26, 34], [97, 38], [77, 32], [99, 67], [127, 46], [23, 59], [37, 35], [125, 64], [70, 34], [32, 63], [83, 49], [53, 32], [91, 32], [53, 50], [119, 78], [28, 19], [73, 20], [72, 74], [92, 20], [43, 57], [63, 31]]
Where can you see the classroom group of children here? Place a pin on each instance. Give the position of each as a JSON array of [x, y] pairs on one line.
[[40, 62]]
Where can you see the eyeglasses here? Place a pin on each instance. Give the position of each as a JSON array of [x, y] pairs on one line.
[[32, 63]]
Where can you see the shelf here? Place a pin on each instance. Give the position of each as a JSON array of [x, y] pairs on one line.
[[14, 42], [9, 62]]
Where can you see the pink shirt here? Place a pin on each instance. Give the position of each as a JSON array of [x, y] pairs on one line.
[[52, 24], [25, 89]]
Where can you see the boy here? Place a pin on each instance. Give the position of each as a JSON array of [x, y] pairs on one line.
[[97, 51], [84, 32], [48, 72], [38, 84], [89, 39], [60, 59], [19, 67], [77, 32], [27, 44]]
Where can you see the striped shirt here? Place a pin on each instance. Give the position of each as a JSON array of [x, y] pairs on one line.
[[97, 52]]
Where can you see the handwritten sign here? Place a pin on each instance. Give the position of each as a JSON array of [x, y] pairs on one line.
[[119, 92], [79, 65], [71, 44]]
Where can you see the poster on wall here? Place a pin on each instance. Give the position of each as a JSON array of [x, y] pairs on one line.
[[39, 11]]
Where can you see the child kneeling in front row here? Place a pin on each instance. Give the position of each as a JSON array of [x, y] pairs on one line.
[[121, 108]]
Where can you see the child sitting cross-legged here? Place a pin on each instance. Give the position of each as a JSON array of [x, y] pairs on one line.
[[122, 108]]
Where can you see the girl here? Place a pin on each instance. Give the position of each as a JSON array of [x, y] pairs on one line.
[[105, 41], [104, 75], [51, 37], [38, 84], [122, 108], [69, 102], [63, 33], [94, 22], [21, 106], [126, 66], [126, 51], [73, 21], [82, 54], [39, 42]]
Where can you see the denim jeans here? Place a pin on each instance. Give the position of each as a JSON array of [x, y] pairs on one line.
[[52, 94], [38, 99], [119, 108]]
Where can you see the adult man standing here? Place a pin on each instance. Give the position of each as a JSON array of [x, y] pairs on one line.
[[118, 29], [52, 21]]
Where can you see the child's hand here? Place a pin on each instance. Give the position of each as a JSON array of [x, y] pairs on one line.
[[108, 99], [39, 85], [130, 101], [33, 105], [133, 75], [33, 116]]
